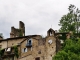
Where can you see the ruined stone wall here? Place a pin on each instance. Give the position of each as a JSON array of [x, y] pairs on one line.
[[22, 27], [18, 32], [14, 32]]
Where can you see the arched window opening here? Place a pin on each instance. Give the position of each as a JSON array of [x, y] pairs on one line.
[[29, 43]]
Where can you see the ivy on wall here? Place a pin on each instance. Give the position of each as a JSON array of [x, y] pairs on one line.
[[20, 33], [16, 51]]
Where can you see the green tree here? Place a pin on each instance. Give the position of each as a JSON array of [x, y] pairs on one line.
[[71, 47], [70, 21], [1, 35], [70, 50]]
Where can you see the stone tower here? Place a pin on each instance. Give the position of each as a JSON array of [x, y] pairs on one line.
[[50, 44], [18, 32]]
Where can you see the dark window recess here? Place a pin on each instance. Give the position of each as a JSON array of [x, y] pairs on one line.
[[50, 32], [25, 49], [29, 44], [12, 44], [38, 58], [51, 55], [39, 52]]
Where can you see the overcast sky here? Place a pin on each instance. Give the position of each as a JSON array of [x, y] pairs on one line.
[[38, 15]]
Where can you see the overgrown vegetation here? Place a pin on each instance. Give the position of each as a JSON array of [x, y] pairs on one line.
[[70, 21], [70, 50], [1, 52], [62, 37], [20, 33], [16, 51], [71, 47]]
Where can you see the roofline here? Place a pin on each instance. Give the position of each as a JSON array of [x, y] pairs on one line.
[[19, 37], [63, 33]]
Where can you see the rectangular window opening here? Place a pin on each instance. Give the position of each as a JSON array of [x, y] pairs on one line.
[[38, 58]]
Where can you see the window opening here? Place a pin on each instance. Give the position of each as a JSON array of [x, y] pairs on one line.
[[38, 58]]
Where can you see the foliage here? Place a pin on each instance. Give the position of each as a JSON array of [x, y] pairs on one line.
[[62, 37], [1, 35], [20, 33], [70, 21], [1, 52], [16, 51], [71, 47], [70, 50]]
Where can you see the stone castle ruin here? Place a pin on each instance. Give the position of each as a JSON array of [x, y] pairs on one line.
[[18, 32], [31, 47]]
